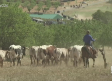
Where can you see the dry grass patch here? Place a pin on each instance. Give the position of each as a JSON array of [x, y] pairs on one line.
[[58, 72]]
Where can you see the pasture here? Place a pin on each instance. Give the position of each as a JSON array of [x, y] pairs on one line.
[[26, 72], [86, 13]]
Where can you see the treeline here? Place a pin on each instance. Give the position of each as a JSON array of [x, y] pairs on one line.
[[43, 5], [16, 27]]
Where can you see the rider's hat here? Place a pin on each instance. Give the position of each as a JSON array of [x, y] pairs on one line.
[[88, 31]]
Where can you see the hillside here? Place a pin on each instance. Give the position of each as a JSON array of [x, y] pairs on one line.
[[84, 12]]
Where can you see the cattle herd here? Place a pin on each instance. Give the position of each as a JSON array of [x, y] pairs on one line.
[[45, 54]]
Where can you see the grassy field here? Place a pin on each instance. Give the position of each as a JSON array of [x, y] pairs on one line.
[[58, 72], [89, 10]]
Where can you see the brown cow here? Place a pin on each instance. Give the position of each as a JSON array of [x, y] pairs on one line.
[[42, 56], [51, 54], [38, 53], [11, 56], [32, 55]]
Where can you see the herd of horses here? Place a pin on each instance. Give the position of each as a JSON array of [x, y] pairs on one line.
[[49, 54]]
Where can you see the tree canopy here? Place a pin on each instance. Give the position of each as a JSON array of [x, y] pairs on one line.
[[15, 26]]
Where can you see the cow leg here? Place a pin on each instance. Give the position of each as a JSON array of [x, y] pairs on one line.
[[10, 63], [37, 61], [13, 62], [52, 60], [1, 63], [31, 59], [20, 62], [83, 61], [34, 60], [56, 60], [43, 61], [87, 62], [48, 61], [66, 61], [60, 61], [93, 62], [17, 62], [76, 63]]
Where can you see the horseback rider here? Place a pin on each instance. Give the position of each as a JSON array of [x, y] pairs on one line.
[[88, 40]]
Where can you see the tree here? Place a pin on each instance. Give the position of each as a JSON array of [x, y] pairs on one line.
[[40, 5], [25, 4], [2, 1], [56, 4], [45, 9], [106, 35], [48, 3], [30, 6], [110, 1], [16, 27], [105, 17]]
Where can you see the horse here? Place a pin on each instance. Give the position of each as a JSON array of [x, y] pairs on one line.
[[88, 52]]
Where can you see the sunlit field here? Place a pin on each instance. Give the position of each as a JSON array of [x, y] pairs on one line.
[[26, 72], [89, 10]]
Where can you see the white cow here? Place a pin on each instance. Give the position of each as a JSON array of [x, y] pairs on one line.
[[75, 54], [18, 49], [37, 53], [14, 47], [2, 54], [62, 54], [79, 47], [45, 46], [6, 55], [33, 53]]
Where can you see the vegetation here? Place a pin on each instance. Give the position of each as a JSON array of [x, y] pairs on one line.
[[16, 27], [106, 18], [110, 1], [29, 4]]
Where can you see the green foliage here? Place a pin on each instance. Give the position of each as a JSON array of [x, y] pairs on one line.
[[45, 9], [30, 6], [48, 3], [40, 5], [110, 1], [15, 26], [69, 34], [2, 1], [106, 35], [56, 4], [105, 17]]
